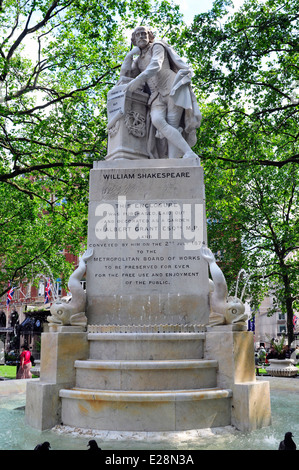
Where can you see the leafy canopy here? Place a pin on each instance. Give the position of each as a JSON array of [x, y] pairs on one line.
[[58, 59]]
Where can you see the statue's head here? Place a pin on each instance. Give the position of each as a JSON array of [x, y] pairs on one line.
[[234, 308], [142, 36]]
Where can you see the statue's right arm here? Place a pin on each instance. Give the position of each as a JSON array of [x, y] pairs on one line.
[[128, 68]]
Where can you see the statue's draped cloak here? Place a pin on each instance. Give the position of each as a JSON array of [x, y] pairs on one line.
[[183, 96]]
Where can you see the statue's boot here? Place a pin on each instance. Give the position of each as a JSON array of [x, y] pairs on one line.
[[176, 142]]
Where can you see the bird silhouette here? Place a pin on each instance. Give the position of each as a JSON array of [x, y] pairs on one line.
[[43, 447], [287, 443], [93, 446]]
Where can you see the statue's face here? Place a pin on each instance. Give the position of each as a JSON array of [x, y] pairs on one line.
[[141, 37]]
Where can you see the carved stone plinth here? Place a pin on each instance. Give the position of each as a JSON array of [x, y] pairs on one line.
[[127, 124], [234, 351], [58, 354]]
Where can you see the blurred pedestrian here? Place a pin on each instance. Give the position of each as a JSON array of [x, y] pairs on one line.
[[25, 364], [257, 364], [272, 354]]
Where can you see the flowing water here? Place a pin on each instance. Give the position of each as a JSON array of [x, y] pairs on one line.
[[15, 435]]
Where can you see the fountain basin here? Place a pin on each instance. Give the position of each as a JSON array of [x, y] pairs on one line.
[[282, 368], [16, 435]]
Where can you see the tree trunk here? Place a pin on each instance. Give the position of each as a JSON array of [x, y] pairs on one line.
[[289, 308]]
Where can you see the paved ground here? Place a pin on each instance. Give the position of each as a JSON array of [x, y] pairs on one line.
[[10, 387], [281, 383]]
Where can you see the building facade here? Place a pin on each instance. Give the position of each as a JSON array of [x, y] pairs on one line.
[[269, 327], [24, 319]]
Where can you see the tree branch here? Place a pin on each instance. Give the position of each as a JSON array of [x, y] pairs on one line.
[[279, 164], [21, 171], [64, 96]]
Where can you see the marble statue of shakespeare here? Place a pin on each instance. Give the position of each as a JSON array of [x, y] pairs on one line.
[[174, 113]]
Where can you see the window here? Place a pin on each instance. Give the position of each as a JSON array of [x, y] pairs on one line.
[[282, 329], [58, 287], [41, 288]]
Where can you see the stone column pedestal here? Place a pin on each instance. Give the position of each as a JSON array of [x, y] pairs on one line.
[[146, 225], [58, 354], [234, 351]]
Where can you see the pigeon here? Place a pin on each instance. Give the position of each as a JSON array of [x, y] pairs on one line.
[[93, 446], [43, 447], [287, 443]]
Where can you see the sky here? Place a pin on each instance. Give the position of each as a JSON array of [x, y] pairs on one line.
[[190, 8]]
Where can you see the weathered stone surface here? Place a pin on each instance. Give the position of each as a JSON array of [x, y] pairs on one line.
[[251, 406], [146, 226], [58, 354], [127, 132], [43, 406], [146, 411], [146, 346], [234, 351]]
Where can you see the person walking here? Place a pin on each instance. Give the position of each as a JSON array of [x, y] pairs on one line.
[[25, 364]]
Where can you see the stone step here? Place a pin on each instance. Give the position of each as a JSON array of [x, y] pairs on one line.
[[146, 375], [158, 410], [146, 346]]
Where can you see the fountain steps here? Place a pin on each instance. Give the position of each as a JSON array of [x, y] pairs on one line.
[[143, 396], [146, 346], [146, 375], [146, 382]]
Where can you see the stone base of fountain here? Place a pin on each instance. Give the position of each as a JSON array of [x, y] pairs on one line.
[[148, 362], [282, 368], [148, 380]]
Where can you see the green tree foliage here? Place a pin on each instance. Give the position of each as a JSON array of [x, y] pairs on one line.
[[253, 225], [246, 69], [58, 59], [247, 62]]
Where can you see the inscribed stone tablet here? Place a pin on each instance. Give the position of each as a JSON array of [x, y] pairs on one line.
[[146, 226]]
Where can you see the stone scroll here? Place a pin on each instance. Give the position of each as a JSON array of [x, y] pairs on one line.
[[127, 124]]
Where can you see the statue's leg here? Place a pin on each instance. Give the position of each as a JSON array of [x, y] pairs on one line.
[[166, 119], [173, 135], [173, 118]]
